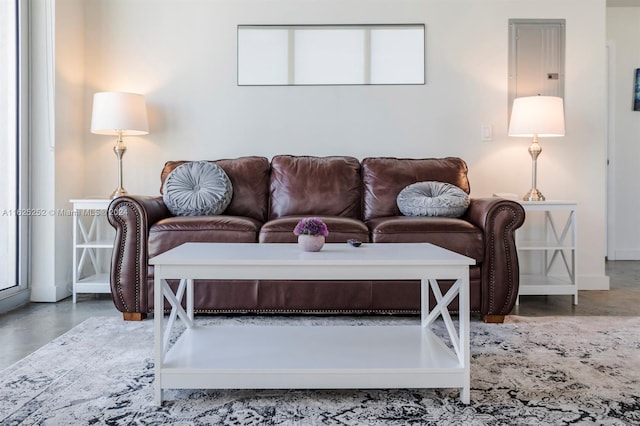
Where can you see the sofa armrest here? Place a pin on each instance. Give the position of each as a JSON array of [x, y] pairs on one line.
[[498, 218], [132, 216]]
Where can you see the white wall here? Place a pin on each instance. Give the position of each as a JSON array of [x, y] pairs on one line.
[[42, 156], [56, 142], [623, 35], [182, 56], [70, 129]]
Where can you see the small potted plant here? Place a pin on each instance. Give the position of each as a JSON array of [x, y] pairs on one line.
[[311, 232]]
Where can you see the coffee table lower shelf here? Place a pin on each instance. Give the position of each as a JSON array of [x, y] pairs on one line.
[[314, 357]]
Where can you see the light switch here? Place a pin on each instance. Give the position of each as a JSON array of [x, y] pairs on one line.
[[486, 132]]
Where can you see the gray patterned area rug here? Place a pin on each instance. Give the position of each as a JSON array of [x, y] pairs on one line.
[[528, 371]]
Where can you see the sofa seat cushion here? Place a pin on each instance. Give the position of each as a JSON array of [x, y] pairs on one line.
[[173, 231], [340, 229], [453, 234]]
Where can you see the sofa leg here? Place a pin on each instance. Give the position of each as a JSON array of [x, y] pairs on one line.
[[133, 316], [493, 319]]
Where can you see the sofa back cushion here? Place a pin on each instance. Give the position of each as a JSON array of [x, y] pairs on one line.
[[250, 182], [318, 186], [385, 177]]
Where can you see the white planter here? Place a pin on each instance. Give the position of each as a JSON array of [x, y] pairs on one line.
[[311, 242]]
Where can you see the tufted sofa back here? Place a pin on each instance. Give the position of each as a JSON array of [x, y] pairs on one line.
[[327, 186], [250, 180], [319, 186], [384, 178]]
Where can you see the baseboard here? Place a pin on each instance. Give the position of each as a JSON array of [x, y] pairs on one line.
[[49, 293], [626, 255], [593, 282]]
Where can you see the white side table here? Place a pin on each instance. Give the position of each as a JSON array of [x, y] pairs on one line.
[[92, 246], [556, 244]]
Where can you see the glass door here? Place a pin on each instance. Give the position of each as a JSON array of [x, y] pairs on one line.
[[12, 218]]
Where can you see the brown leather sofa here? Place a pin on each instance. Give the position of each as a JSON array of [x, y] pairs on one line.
[[356, 199]]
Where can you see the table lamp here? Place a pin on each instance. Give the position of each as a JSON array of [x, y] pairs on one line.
[[121, 114], [536, 116]]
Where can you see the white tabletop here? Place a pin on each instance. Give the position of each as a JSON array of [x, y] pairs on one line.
[[422, 254], [88, 203]]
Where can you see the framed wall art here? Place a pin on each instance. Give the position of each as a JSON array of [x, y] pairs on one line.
[[271, 55]]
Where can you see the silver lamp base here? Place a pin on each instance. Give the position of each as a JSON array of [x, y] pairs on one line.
[[119, 149], [533, 195], [534, 151], [118, 193]]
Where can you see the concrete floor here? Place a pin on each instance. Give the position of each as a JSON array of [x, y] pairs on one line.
[[28, 328], [623, 298]]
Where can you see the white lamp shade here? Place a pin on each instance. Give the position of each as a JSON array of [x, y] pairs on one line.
[[537, 115], [115, 112]]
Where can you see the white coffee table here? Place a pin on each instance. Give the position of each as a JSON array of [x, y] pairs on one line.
[[305, 357]]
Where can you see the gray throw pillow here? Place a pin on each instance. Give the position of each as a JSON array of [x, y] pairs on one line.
[[432, 198], [197, 188]]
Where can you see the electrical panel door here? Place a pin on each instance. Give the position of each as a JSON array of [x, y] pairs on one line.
[[536, 58]]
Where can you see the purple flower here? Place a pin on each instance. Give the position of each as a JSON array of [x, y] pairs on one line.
[[311, 226]]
